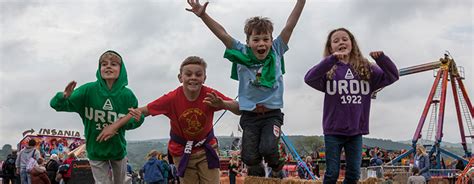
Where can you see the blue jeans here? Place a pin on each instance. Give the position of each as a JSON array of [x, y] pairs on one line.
[[24, 176], [353, 151], [232, 178]]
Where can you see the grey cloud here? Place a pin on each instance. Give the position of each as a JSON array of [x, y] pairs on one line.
[[386, 13], [11, 50]]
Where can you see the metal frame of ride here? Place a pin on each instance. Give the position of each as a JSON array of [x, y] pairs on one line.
[[447, 71]]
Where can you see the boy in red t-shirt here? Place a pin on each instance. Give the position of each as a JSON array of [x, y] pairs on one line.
[[190, 108]]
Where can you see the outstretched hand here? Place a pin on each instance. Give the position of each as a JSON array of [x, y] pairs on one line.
[[213, 100], [106, 134], [376, 54], [69, 89], [111, 130], [197, 8]]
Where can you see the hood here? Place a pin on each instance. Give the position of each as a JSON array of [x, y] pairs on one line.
[[28, 150], [119, 84]]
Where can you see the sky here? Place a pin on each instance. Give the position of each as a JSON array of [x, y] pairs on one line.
[[45, 44]]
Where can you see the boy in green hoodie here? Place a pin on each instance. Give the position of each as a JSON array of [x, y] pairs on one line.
[[99, 104]]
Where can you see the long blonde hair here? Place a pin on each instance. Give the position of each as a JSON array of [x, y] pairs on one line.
[[153, 154], [421, 148], [360, 64]]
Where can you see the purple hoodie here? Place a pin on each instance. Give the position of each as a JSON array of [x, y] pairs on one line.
[[347, 97]]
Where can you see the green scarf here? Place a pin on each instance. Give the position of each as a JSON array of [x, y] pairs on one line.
[[267, 78]]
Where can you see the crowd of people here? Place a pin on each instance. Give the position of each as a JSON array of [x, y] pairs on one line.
[[158, 170], [28, 167], [417, 164]]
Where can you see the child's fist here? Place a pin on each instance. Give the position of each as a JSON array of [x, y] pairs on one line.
[[340, 55], [376, 54]]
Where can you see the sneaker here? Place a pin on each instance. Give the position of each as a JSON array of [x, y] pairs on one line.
[[277, 174], [256, 170]]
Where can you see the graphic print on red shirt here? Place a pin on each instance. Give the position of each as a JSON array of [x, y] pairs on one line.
[[191, 120]]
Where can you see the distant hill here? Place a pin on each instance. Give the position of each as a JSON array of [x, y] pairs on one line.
[[385, 144], [6, 149], [443, 143]]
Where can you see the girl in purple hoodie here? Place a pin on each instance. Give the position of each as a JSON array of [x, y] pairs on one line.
[[348, 80]]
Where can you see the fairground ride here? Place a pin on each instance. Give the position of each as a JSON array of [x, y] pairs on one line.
[[447, 71]]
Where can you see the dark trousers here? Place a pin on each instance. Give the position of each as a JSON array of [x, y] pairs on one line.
[[353, 150], [261, 137], [8, 179], [232, 178]]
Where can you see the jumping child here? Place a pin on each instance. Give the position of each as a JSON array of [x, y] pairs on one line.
[[258, 66], [99, 104], [347, 79]]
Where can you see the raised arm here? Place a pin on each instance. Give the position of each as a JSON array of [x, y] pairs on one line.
[[292, 20], [315, 77], [388, 72], [69, 100], [200, 11]]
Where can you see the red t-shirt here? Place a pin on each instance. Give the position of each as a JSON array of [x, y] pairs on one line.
[[191, 120], [69, 170]]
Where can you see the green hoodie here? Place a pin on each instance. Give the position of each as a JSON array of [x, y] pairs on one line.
[[98, 107]]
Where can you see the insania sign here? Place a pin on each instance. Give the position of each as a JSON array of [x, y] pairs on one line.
[[55, 132]]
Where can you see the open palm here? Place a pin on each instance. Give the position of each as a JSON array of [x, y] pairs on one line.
[[213, 100], [69, 89], [196, 7]]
